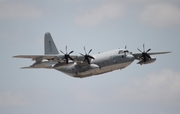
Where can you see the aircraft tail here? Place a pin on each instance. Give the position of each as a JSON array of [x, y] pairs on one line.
[[49, 45]]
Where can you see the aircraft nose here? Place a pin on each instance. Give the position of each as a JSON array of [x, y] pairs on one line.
[[130, 57]]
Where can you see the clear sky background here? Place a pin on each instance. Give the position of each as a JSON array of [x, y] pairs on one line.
[[101, 25]]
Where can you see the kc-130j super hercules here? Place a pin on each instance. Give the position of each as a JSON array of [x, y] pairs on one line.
[[85, 65]]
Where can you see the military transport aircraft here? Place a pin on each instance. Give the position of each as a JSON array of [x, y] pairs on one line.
[[85, 65]]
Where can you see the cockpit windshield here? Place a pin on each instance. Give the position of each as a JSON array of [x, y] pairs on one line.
[[123, 51]]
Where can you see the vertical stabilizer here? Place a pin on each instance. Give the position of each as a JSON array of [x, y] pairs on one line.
[[49, 45]]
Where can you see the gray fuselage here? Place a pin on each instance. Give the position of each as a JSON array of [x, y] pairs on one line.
[[104, 62]]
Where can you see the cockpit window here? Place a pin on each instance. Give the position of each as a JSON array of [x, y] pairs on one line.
[[126, 51], [121, 52]]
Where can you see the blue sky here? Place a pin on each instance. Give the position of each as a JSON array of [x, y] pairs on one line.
[[101, 25]]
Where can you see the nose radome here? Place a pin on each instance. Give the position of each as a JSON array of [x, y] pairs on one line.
[[130, 57]]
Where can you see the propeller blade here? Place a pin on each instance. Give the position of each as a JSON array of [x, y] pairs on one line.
[[81, 54], [147, 55], [67, 60], [89, 51], [139, 50], [71, 58], [88, 61], [91, 57], [66, 49], [148, 50], [62, 52], [71, 52], [144, 59], [85, 50], [143, 48]]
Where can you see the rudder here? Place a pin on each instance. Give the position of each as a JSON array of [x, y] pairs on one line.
[[49, 45]]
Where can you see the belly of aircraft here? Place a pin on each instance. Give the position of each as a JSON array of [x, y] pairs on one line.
[[97, 71]]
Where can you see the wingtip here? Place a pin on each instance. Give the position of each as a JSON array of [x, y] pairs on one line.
[[15, 56], [25, 67], [169, 52]]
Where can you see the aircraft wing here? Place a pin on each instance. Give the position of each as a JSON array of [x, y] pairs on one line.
[[57, 58], [138, 55], [35, 57], [155, 53]]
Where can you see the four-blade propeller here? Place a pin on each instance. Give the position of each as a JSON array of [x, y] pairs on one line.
[[67, 56], [145, 54], [87, 56]]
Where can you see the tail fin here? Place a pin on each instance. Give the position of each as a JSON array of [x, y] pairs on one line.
[[49, 45]]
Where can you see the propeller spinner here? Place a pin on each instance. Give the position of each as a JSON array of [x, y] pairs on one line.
[[67, 56], [87, 56]]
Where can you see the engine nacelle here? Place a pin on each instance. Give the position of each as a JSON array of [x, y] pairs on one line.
[[62, 65], [147, 61], [88, 70]]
